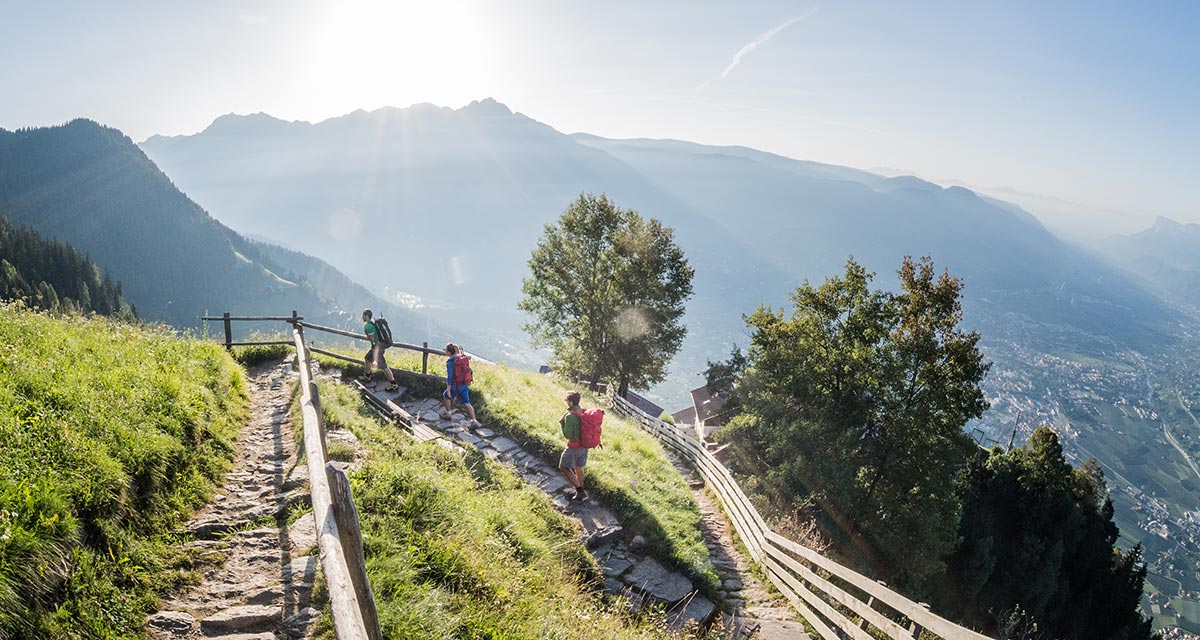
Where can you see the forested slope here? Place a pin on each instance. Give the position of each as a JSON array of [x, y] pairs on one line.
[[90, 186], [54, 275]]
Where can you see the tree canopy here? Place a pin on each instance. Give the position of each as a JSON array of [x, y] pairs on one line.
[[1038, 536], [857, 401], [54, 276], [606, 291]]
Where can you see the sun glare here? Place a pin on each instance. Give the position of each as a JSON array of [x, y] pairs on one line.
[[371, 53]]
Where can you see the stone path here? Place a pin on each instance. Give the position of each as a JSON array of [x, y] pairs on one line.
[[754, 611], [257, 573], [627, 569]]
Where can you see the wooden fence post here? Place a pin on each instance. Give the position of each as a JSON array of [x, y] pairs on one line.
[[228, 332], [346, 515], [425, 358]]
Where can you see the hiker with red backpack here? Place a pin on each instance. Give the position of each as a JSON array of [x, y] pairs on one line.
[[581, 428], [458, 379]]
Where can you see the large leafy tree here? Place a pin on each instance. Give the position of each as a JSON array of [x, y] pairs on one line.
[[1038, 537], [606, 291], [856, 401]]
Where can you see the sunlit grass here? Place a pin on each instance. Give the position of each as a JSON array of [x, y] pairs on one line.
[[631, 474], [458, 546], [110, 435]]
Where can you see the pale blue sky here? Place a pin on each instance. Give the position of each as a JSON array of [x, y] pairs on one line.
[[1090, 102]]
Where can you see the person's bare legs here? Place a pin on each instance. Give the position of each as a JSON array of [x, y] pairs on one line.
[[470, 411], [569, 474]]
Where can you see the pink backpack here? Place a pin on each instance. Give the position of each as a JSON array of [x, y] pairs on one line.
[[589, 427]]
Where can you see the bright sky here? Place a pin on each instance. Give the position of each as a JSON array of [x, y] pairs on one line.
[[1092, 102]]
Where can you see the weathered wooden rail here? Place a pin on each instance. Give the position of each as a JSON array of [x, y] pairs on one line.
[[227, 321], [838, 602], [339, 538]]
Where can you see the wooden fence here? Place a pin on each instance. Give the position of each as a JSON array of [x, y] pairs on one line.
[[838, 602], [297, 320], [338, 536]]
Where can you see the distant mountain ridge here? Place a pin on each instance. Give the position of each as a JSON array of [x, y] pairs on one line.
[[90, 186], [479, 182], [1167, 255]]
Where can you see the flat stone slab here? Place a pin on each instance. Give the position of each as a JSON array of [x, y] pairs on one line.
[[614, 566], [485, 433], [209, 528], [171, 623], [553, 484], [243, 618], [660, 583], [697, 610], [780, 630], [504, 445], [302, 569], [302, 620], [266, 635], [602, 536], [303, 534]]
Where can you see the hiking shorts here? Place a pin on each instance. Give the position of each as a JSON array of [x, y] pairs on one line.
[[572, 458], [378, 360], [461, 394]]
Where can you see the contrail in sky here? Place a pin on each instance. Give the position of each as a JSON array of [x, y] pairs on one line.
[[737, 57]]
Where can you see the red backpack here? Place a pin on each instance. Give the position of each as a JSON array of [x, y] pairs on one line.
[[462, 371], [589, 427]]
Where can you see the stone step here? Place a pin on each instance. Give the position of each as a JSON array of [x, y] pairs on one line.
[[242, 618]]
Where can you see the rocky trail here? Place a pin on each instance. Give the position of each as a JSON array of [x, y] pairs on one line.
[[754, 612], [256, 571]]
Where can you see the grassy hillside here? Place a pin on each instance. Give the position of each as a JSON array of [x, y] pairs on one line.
[[460, 547], [110, 434], [631, 474]]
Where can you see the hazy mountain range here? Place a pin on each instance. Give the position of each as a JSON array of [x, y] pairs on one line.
[[447, 204]]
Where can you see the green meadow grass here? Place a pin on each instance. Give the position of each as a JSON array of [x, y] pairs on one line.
[[458, 546], [110, 436], [631, 473]]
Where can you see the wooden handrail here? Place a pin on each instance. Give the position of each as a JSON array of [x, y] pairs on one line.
[[821, 602], [362, 336], [344, 602], [252, 318]]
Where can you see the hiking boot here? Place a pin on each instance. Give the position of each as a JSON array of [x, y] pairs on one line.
[[472, 423], [580, 494], [364, 378], [445, 415], [392, 386]]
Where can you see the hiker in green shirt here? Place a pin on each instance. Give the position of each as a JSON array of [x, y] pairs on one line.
[[374, 356], [574, 456]]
